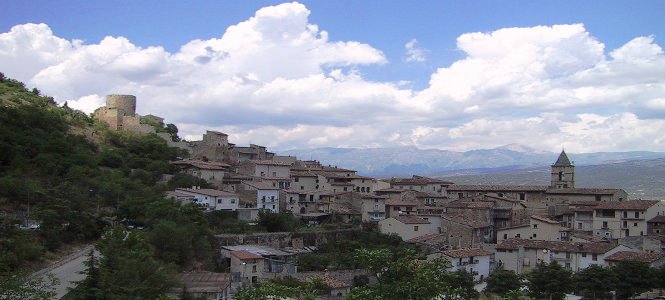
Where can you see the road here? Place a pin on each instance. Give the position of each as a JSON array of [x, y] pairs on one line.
[[67, 271]]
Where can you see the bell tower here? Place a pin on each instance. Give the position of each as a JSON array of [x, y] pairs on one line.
[[563, 173]]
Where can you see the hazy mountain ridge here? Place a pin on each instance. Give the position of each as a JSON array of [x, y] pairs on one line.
[[404, 161], [642, 178]]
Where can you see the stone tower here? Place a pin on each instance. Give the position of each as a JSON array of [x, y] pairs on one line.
[[563, 173]]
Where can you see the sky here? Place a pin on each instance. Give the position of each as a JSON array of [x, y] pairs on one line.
[[454, 75]]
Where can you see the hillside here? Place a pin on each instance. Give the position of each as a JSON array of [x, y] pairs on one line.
[[642, 179]]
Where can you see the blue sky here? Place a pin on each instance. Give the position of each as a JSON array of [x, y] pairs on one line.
[[395, 100]]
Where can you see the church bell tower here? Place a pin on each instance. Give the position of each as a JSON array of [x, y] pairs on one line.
[[563, 173]]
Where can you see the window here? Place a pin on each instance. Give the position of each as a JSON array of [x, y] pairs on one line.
[[345, 189], [219, 201], [637, 214], [625, 214], [625, 224], [505, 236], [415, 228], [560, 175], [579, 225], [635, 224], [535, 225], [518, 236], [583, 254], [254, 269], [233, 201], [605, 224], [534, 235], [263, 173], [296, 179], [598, 198], [274, 174], [395, 208], [302, 187], [522, 196], [594, 257]]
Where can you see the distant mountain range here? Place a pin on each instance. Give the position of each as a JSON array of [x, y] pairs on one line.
[[640, 173], [404, 161]]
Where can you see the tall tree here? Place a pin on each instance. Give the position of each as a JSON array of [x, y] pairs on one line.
[[595, 282], [549, 280], [502, 282], [633, 277]]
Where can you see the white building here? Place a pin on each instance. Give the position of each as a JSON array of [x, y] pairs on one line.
[[210, 199], [267, 195], [408, 227], [476, 261], [520, 255]]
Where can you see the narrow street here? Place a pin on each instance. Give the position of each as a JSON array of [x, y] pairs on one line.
[[67, 271]]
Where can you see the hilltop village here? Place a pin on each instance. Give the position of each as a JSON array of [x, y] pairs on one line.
[[476, 227]]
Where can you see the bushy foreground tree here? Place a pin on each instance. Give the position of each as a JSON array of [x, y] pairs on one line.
[[503, 282], [549, 281]]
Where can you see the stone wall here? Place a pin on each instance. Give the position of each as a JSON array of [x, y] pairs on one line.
[[282, 240]]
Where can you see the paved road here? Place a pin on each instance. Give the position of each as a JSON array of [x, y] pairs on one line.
[[67, 271]]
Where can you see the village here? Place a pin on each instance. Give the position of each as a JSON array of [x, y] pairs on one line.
[[475, 227]]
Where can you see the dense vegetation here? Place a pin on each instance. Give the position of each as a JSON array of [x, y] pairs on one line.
[[75, 179]]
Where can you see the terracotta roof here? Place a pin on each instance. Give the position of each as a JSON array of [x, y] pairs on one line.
[[371, 196], [205, 282], [474, 223], [425, 238], [390, 190], [398, 202], [334, 283], [260, 185], [497, 188], [657, 219], [583, 191], [302, 174], [245, 255], [557, 246], [469, 204], [642, 256], [627, 205], [410, 220], [563, 160], [545, 219], [418, 180], [207, 192], [466, 252], [269, 163]]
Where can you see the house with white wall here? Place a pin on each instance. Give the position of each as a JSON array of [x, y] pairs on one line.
[[210, 199], [615, 220], [267, 195], [408, 227], [521, 255], [476, 261]]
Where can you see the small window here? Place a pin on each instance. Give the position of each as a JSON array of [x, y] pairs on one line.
[[535, 225], [594, 257], [634, 224], [219, 201], [637, 214], [583, 254], [505, 236], [415, 228]]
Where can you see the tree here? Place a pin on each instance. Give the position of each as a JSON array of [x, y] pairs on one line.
[[402, 276], [549, 280], [463, 281], [633, 278], [595, 282], [502, 282], [21, 285], [90, 286]]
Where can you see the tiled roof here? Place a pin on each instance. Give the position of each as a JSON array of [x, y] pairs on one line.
[[583, 191], [410, 220], [398, 202], [205, 282], [371, 196], [302, 174], [474, 223], [207, 192], [469, 204], [334, 283], [545, 219], [425, 238], [390, 190], [418, 180], [642, 256], [245, 255], [497, 188], [657, 219], [557, 246], [466, 252], [260, 185], [270, 163], [563, 160], [627, 205]]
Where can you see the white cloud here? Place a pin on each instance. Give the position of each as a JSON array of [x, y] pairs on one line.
[[277, 80], [413, 53]]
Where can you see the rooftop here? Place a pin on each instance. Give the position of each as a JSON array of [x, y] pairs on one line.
[[657, 219], [205, 165], [245, 255], [627, 205], [418, 180], [410, 220], [474, 223], [207, 192], [556, 246], [205, 282], [469, 205], [497, 188], [466, 252], [563, 160], [545, 219], [642, 256], [260, 185]]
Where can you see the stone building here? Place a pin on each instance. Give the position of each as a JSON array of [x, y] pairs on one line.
[[120, 114]]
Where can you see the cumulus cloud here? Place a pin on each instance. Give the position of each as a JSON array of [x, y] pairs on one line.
[[278, 80], [413, 53]]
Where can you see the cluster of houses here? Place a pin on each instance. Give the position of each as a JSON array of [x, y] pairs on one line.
[[476, 227]]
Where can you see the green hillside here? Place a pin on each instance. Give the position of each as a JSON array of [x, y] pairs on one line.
[[66, 179]]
